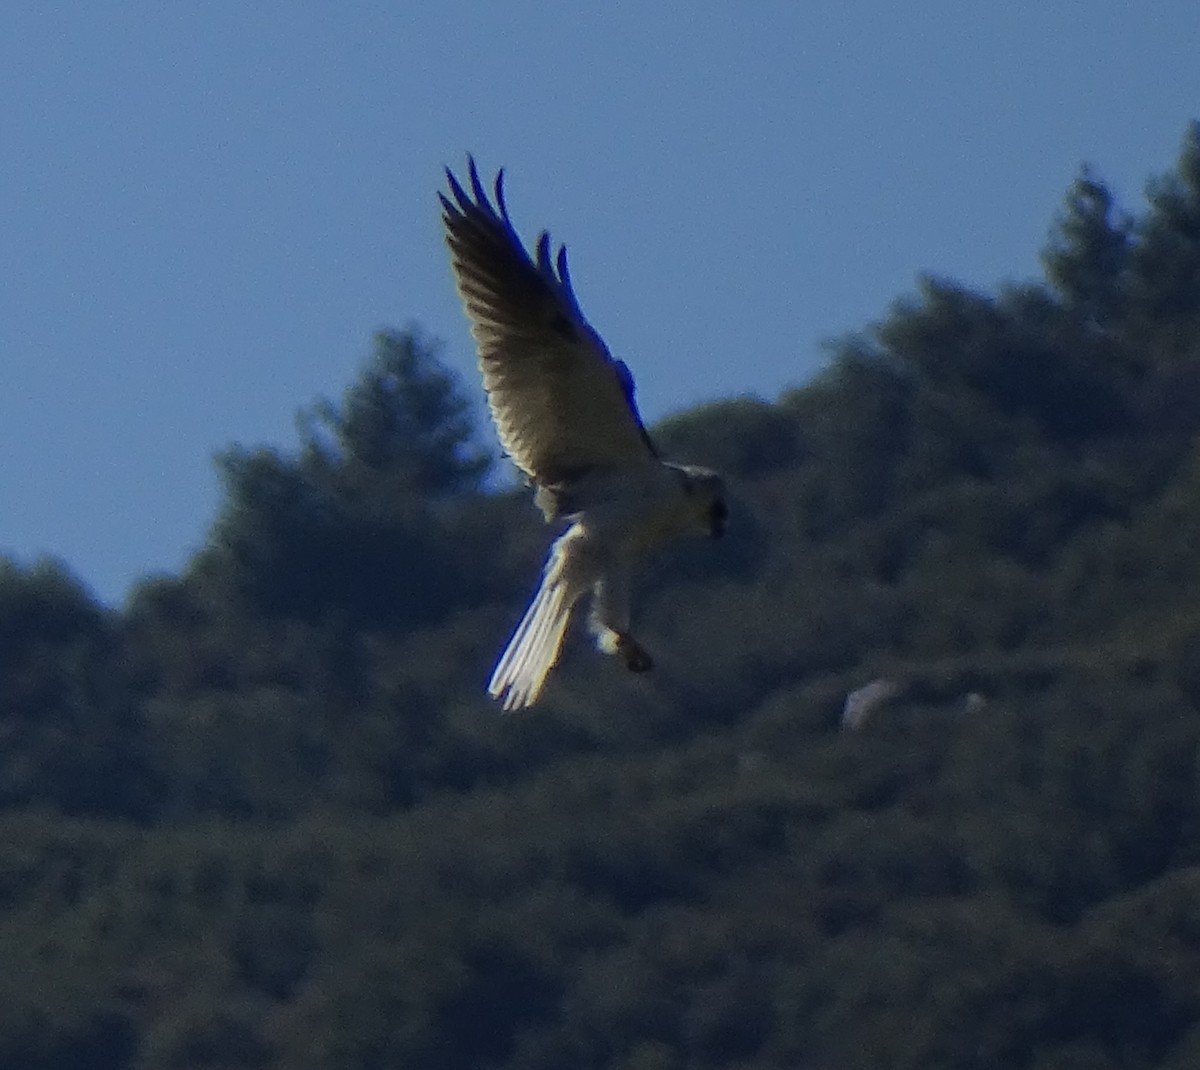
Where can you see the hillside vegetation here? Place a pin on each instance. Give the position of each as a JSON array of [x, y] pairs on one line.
[[264, 816]]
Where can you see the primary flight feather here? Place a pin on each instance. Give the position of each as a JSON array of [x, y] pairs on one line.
[[564, 411]]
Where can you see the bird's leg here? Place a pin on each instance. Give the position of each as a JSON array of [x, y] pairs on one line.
[[609, 621], [635, 655], [623, 644]]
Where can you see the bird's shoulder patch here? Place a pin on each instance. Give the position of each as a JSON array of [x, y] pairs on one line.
[[563, 325]]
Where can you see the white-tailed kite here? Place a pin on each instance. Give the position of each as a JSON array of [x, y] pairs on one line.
[[565, 414]]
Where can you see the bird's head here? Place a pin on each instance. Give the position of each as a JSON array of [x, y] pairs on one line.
[[705, 493]]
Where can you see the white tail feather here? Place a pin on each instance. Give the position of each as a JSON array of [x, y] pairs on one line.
[[534, 647]]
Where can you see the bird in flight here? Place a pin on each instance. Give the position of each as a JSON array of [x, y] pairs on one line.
[[565, 413]]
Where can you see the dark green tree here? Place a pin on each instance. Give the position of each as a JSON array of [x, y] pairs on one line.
[[70, 733], [403, 426], [352, 525], [1166, 260], [1087, 258]]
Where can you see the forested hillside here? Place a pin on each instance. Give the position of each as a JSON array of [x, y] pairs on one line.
[[264, 816]]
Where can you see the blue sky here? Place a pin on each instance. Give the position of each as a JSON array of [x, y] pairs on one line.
[[207, 209]]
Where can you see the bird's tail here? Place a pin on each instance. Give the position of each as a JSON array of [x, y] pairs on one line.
[[535, 645]]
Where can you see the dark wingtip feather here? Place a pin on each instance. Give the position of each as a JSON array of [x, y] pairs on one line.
[[481, 197], [500, 195], [459, 193], [564, 276], [543, 253]]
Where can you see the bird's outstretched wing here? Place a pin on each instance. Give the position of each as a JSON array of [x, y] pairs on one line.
[[562, 405]]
